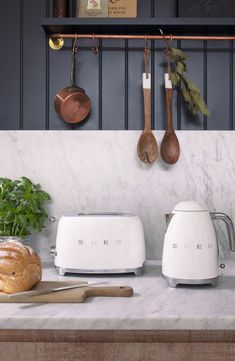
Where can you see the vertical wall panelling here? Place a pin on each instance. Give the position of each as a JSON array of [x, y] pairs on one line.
[[218, 85], [34, 85], [10, 65], [135, 70], [152, 8], [152, 68], [165, 8], [195, 65], [100, 86], [232, 84], [87, 77], [72, 4], [160, 101], [126, 85], [31, 74], [179, 98], [135, 94], [59, 77], [21, 111], [113, 82], [231, 80], [205, 81], [47, 74], [144, 8], [50, 7], [60, 69]]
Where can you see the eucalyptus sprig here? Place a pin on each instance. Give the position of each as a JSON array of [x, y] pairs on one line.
[[176, 59], [21, 207]]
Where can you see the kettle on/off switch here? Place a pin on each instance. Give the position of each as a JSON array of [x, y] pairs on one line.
[[190, 250]]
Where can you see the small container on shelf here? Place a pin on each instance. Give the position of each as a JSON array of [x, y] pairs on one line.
[[60, 8], [206, 8]]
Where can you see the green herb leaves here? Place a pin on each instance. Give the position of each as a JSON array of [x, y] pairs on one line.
[[21, 207], [191, 93]]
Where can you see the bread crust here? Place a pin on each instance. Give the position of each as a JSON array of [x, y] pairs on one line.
[[20, 267]]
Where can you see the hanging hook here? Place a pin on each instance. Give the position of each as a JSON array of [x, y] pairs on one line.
[[95, 48], [147, 51], [75, 49], [165, 39], [146, 42], [168, 48], [74, 59]]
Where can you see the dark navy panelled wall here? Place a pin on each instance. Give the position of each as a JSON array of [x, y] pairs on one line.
[[31, 75]]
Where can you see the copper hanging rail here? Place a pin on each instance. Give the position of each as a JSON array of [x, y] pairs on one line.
[[56, 41], [143, 37]]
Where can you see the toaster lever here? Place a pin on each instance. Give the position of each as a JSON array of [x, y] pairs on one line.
[[53, 251]]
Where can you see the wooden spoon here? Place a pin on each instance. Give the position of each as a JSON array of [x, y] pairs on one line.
[[170, 149], [147, 148]]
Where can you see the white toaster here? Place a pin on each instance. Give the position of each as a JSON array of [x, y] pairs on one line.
[[100, 243]]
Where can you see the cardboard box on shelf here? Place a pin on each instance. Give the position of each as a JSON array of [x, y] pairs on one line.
[[122, 8]]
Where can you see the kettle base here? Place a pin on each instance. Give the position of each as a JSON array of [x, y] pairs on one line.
[[173, 282]]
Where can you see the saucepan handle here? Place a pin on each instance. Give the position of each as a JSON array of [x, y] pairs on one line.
[[73, 68]]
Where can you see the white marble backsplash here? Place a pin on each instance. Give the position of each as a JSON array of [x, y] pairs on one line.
[[100, 171]]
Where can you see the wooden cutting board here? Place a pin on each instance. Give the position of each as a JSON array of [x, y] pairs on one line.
[[75, 295]]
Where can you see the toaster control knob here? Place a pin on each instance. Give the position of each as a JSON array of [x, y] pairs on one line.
[[53, 251], [222, 265]]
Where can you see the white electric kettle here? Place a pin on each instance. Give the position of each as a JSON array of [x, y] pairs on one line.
[[190, 250]]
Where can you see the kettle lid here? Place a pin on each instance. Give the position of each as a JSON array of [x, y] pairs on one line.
[[190, 206]]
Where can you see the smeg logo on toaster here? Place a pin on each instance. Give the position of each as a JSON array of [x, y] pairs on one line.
[[104, 242]]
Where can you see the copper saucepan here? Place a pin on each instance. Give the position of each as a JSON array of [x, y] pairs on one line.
[[71, 103]]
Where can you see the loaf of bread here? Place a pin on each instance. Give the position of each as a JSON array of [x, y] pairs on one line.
[[20, 267]]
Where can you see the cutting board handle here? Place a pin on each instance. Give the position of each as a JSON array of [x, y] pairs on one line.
[[114, 291]]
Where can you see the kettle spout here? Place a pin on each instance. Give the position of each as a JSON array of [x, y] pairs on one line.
[[168, 217]]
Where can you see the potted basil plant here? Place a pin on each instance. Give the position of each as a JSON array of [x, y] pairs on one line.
[[21, 208]]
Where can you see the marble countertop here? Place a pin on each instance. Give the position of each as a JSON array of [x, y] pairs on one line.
[[154, 306]]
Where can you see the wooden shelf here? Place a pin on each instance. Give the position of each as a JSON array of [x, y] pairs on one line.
[[200, 26]]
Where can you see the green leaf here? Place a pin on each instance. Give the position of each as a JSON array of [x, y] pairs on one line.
[[180, 67], [44, 196], [21, 206], [175, 79], [190, 91], [199, 102], [175, 54], [191, 85], [186, 95]]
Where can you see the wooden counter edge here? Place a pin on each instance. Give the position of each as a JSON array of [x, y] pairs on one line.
[[120, 336]]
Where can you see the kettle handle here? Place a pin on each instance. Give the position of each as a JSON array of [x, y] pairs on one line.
[[229, 224]]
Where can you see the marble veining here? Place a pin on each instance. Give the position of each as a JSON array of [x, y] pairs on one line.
[[100, 171], [154, 306]]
